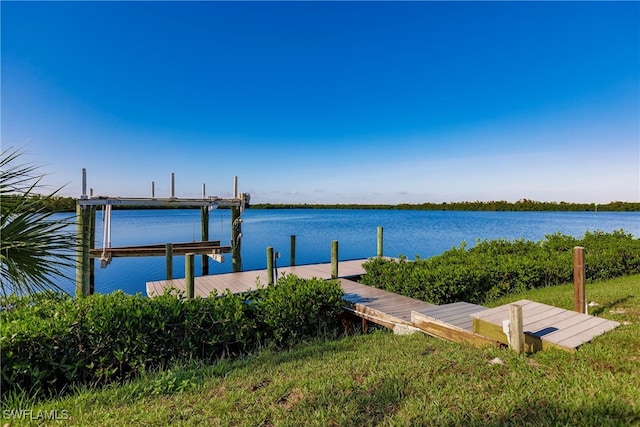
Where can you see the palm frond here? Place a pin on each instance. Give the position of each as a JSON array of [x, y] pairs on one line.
[[36, 250]]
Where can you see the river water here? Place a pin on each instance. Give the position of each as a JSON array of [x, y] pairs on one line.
[[409, 233]]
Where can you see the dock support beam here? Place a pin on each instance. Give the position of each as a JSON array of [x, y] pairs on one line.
[[292, 259], [269, 265], [188, 274], [334, 259], [380, 234], [579, 298]]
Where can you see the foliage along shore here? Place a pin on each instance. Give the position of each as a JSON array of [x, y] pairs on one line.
[[68, 204]]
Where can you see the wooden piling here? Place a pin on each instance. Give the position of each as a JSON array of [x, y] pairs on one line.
[[334, 259], [92, 244], [516, 328], [236, 242], [236, 232], [188, 274], [292, 259], [579, 297], [83, 269], [204, 228], [380, 234], [169, 260], [269, 265]]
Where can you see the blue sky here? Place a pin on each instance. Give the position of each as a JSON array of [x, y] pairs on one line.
[[364, 102]]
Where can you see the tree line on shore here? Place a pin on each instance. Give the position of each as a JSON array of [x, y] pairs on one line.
[[501, 205], [68, 204]]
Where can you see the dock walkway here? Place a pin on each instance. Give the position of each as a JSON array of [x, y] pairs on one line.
[[545, 326]]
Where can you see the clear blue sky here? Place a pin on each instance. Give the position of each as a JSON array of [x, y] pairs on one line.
[[328, 102]]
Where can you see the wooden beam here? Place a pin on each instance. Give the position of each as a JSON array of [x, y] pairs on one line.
[[212, 202], [450, 332], [211, 247]]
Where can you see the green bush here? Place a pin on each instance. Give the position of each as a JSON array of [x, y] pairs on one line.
[[296, 309], [493, 268], [50, 341]]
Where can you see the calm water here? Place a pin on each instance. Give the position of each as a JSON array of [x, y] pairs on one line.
[[409, 233]]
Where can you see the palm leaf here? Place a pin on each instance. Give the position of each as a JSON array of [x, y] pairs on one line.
[[37, 251]]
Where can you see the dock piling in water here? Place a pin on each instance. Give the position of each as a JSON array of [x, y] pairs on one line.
[[188, 274], [334, 259], [269, 265]]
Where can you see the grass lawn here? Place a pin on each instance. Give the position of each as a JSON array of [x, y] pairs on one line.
[[383, 379]]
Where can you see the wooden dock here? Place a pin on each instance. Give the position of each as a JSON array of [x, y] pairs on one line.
[[545, 326], [248, 280]]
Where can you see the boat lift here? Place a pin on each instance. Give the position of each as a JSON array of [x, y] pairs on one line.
[[86, 211]]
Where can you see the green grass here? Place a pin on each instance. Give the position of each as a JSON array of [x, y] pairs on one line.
[[383, 379]]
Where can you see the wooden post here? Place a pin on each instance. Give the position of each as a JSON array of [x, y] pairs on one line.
[[516, 329], [188, 274], [92, 244], [269, 265], [292, 260], [579, 298], [83, 270], [236, 239], [380, 231], [169, 255], [204, 227], [334, 259], [236, 232]]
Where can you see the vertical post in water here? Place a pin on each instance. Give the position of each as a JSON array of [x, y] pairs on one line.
[[334, 259], [236, 232], [83, 270], [380, 234], [579, 298], [292, 259], [269, 265], [516, 328], [92, 244], [188, 274], [168, 251], [204, 227]]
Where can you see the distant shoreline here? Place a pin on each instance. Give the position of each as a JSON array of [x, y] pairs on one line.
[[492, 206], [68, 204]]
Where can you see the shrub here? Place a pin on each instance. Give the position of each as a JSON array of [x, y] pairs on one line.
[[296, 309], [493, 268], [50, 341]]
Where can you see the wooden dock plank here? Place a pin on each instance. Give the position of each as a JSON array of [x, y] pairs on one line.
[[544, 325], [455, 314], [574, 330], [586, 336], [441, 330]]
